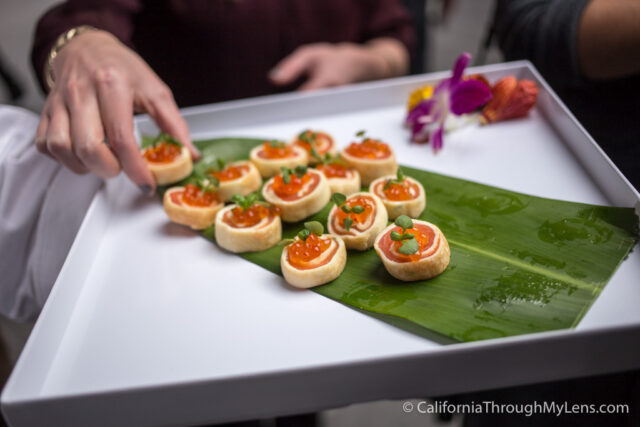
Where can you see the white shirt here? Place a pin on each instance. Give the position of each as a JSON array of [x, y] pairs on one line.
[[42, 205]]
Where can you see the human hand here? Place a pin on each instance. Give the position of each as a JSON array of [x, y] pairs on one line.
[[328, 65], [99, 83]]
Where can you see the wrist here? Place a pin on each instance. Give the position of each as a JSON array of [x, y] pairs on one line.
[[61, 46]]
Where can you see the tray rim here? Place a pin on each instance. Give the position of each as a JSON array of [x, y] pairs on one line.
[[16, 405]]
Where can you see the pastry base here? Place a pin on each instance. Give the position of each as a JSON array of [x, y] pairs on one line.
[[425, 268], [304, 207], [305, 279], [371, 169], [362, 240], [177, 170], [271, 167], [412, 208], [195, 217], [253, 239], [246, 184]]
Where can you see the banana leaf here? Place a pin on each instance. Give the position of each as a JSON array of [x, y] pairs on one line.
[[519, 263]]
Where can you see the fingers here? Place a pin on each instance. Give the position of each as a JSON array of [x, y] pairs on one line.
[[294, 66], [41, 133], [317, 80], [116, 108], [57, 140], [87, 133], [158, 102]]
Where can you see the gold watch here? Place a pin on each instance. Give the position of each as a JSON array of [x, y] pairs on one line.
[[60, 43]]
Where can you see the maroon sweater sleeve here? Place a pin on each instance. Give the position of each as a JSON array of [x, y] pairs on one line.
[[389, 18], [115, 16]]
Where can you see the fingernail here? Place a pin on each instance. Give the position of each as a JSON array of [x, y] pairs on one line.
[[146, 189]]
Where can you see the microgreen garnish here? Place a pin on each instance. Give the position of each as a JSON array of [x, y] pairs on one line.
[[400, 177], [298, 171], [314, 227], [409, 243], [165, 137], [274, 143], [221, 164], [340, 199], [310, 227], [207, 184], [361, 133], [307, 136], [245, 202]]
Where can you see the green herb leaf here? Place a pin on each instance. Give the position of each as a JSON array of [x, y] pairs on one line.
[[237, 199], [409, 247], [387, 184], [285, 242], [220, 163], [286, 177], [315, 227], [400, 177], [346, 209], [347, 223], [407, 236], [361, 133], [165, 137], [274, 143], [301, 170], [315, 153], [338, 198], [303, 234], [357, 209], [251, 199], [404, 222], [395, 236]]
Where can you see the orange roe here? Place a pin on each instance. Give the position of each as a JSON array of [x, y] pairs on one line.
[[363, 201], [302, 252], [296, 183], [195, 196], [370, 149], [333, 170], [279, 152], [230, 173], [162, 152], [400, 192], [241, 218]]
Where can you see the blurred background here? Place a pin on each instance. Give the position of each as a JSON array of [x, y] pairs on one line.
[[451, 27]]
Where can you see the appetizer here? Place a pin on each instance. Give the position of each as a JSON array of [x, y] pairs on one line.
[[315, 143], [248, 225], [313, 258], [235, 178], [195, 205], [168, 160], [357, 219], [273, 155], [370, 157], [401, 195], [412, 250], [298, 193], [342, 179]]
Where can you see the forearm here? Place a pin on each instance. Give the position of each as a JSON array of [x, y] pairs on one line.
[[608, 41], [392, 57]]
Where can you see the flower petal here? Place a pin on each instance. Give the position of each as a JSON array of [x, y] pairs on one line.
[[512, 98], [422, 109], [458, 68], [469, 95], [437, 139]]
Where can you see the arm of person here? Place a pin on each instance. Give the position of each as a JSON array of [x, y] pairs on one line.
[[99, 82], [608, 39], [388, 38], [570, 40]]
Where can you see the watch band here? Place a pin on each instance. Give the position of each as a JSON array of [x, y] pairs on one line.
[[60, 43]]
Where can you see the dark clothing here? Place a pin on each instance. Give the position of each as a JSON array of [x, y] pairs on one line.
[[545, 32], [216, 50]]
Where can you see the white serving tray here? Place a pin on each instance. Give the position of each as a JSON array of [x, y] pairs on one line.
[[150, 324]]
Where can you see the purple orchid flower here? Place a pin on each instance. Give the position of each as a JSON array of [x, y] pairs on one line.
[[452, 95]]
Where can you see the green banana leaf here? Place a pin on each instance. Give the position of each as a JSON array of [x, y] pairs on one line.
[[519, 263]]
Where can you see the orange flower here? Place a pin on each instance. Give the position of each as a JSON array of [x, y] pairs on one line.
[[512, 98]]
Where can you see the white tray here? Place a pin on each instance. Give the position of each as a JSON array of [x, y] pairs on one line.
[[149, 324]]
